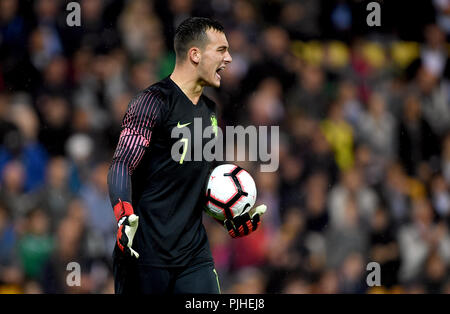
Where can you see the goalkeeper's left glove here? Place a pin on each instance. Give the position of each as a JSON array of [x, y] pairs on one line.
[[127, 223], [245, 224]]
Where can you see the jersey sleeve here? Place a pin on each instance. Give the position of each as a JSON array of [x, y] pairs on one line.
[[143, 114]]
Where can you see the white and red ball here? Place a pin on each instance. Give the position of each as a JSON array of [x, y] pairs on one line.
[[230, 191]]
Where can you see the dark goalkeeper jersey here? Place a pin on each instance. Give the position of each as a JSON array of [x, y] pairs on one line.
[[166, 194]]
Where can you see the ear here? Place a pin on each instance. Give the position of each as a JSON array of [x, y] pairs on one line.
[[194, 55]]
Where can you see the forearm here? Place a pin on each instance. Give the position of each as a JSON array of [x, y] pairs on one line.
[[119, 183], [128, 154]]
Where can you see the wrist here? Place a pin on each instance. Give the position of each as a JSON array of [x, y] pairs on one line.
[[122, 210]]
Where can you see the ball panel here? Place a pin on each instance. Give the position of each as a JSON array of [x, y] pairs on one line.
[[214, 211], [223, 188], [248, 185]]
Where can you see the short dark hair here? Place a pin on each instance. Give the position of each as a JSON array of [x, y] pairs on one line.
[[192, 31]]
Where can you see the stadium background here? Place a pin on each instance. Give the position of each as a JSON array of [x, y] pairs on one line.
[[364, 115]]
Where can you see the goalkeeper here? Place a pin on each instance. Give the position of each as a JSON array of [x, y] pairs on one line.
[[162, 246]]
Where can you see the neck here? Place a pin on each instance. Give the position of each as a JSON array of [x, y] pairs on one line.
[[188, 83]]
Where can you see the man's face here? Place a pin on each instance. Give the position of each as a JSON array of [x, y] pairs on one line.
[[214, 58]]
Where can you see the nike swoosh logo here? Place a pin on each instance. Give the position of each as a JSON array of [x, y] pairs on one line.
[[182, 125]]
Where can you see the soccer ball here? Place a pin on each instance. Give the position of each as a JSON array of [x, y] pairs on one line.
[[231, 191]]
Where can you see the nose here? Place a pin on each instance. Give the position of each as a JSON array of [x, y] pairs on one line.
[[228, 58]]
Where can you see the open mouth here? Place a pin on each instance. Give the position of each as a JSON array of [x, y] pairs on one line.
[[218, 70]]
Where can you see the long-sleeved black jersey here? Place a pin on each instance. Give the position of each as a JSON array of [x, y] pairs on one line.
[[166, 194]]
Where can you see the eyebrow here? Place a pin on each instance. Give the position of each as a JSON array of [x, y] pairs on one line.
[[222, 47]]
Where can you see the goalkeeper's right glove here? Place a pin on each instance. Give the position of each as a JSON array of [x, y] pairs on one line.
[[127, 223], [244, 224]]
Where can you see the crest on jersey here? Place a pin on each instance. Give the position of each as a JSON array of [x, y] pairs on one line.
[[214, 123]]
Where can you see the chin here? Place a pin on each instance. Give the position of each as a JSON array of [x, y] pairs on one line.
[[214, 83], [217, 81]]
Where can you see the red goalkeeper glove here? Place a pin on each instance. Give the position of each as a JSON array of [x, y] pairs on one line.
[[245, 224], [127, 223]]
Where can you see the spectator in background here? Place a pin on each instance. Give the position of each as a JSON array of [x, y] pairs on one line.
[[420, 237], [396, 193], [70, 246], [351, 274], [89, 95], [273, 61], [246, 19], [97, 267], [7, 128], [248, 281], [296, 284], [8, 237], [442, 8], [434, 99], [300, 130], [372, 170], [55, 113], [36, 245], [347, 95], [268, 184], [137, 25], [13, 52], [55, 78], [328, 283], [376, 128], [11, 273], [287, 251], [435, 273], [340, 136], [142, 73], [434, 54], [301, 18], [99, 219], [339, 23], [26, 146], [42, 48], [55, 195], [265, 105], [316, 202], [95, 32], [45, 42], [308, 94], [99, 84], [384, 248], [12, 25], [416, 140], [347, 238], [320, 156], [440, 197], [80, 152], [351, 187], [291, 172], [251, 252], [13, 193]]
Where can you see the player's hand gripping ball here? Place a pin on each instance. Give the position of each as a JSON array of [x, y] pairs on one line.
[[230, 195]]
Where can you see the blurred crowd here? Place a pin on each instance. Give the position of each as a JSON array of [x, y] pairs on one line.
[[364, 116]]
